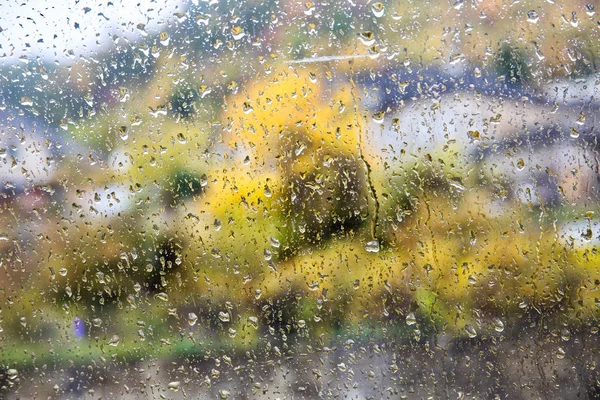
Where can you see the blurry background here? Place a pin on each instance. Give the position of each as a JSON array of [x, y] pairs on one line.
[[280, 199]]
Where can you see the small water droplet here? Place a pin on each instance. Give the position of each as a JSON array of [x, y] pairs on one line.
[[474, 136], [372, 246], [237, 32], [174, 386], [63, 272], [378, 117], [164, 38], [224, 394], [309, 8], [192, 319], [471, 332], [114, 341], [162, 296], [97, 322], [574, 133], [247, 108], [520, 164], [378, 9], [498, 325], [181, 138], [26, 101], [411, 319], [12, 374], [224, 316], [533, 17], [590, 11], [123, 134], [367, 38], [301, 323], [267, 191], [253, 322]]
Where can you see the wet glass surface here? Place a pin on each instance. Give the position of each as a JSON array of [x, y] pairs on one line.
[[281, 199]]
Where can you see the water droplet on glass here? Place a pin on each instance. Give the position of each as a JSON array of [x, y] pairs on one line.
[[301, 323], [474, 136], [192, 319], [411, 319], [224, 316], [12, 374], [378, 117], [378, 9], [372, 246], [162, 296], [224, 394], [560, 353], [342, 367], [114, 341], [164, 38], [97, 322], [574, 133], [308, 8], [267, 191], [62, 272], [237, 32], [181, 138], [123, 134], [247, 108], [498, 325], [471, 332], [253, 322], [367, 38], [174, 386], [533, 17], [590, 11]]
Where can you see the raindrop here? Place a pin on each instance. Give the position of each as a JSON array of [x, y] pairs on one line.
[[181, 138], [223, 316], [114, 341], [12, 374], [471, 332], [164, 38], [574, 133], [123, 134], [378, 117], [533, 17], [253, 322], [372, 246], [174, 386], [474, 136], [367, 38], [237, 32], [498, 325], [162, 296], [378, 9], [192, 319], [410, 319]]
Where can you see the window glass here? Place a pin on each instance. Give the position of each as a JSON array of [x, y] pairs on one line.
[[294, 199]]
